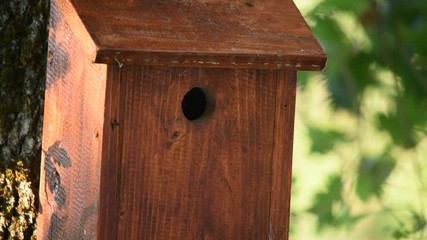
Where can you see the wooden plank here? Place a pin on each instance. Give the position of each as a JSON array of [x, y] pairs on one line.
[[208, 33], [282, 155], [111, 157], [207, 179], [72, 131]]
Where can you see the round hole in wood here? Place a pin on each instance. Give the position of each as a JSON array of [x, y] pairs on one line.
[[195, 103]]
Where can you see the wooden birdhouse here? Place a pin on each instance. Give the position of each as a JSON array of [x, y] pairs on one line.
[[171, 119]]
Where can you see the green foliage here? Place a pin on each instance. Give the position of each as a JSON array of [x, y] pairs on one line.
[[376, 82], [23, 47], [372, 174], [324, 201], [330, 208], [324, 140], [402, 124], [417, 223]]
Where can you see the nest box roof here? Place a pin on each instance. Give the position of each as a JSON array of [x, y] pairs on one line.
[[213, 33]]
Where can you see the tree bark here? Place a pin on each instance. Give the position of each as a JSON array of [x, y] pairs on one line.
[[23, 48]]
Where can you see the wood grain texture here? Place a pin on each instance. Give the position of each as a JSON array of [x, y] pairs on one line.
[[210, 33], [226, 176], [111, 157], [208, 179], [72, 131], [282, 155]]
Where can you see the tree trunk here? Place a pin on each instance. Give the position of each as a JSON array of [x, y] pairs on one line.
[[23, 47]]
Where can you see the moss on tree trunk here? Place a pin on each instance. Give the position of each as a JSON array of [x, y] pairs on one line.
[[23, 47]]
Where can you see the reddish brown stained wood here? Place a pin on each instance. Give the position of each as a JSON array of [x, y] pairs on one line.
[[161, 176], [111, 157], [200, 180], [72, 131], [282, 155], [210, 33]]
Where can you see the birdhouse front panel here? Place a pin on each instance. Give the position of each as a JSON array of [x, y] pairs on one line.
[[201, 150]]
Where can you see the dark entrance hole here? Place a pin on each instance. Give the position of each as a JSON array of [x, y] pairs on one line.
[[194, 103]]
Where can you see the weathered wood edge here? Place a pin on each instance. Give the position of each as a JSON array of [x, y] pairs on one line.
[[109, 197], [282, 155], [77, 27], [314, 62], [254, 59]]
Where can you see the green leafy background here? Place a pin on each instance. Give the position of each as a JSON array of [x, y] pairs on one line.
[[360, 156]]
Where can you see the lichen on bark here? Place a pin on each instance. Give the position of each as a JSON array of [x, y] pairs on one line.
[[23, 47]]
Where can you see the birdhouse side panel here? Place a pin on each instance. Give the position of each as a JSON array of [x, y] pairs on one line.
[[282, 155], [72, 131], [111, 155]]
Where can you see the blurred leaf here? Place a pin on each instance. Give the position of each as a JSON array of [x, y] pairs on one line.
[[348, 83], [330, 35], [329, 207], [417, 223], [409, 19], [401, 125], [323, 202], [361, 72], [372, 174], [345, 6], [324, 140], [348, 68]]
